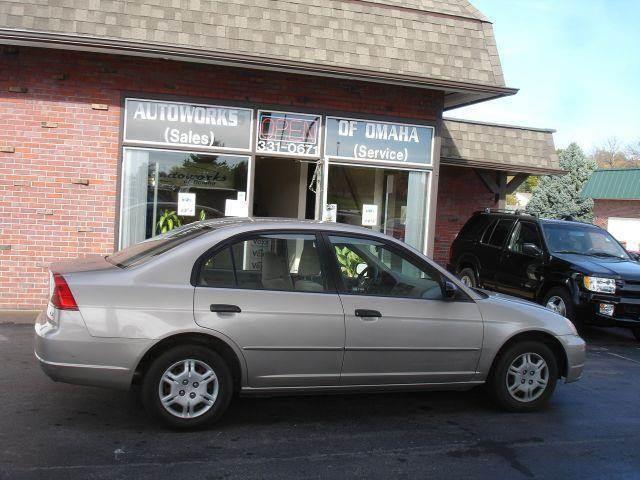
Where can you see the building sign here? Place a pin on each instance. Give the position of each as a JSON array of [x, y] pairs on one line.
[[352, 139], [191, 125], [287, 133]]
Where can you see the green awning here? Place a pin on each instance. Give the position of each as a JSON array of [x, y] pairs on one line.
[[614, 184]]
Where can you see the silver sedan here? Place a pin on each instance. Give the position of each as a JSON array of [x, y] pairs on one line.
[[268, 306]]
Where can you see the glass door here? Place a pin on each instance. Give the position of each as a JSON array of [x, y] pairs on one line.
[[390, 201]]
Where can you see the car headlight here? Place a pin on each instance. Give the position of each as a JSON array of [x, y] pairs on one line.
[[599, 284]]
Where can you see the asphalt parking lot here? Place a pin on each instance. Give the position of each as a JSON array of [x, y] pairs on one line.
[[590, 430]]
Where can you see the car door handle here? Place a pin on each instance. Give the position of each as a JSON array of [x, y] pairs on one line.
[[224, 308], [363, 312]]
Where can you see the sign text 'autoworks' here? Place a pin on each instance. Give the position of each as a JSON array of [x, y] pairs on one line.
[[378, 141], [191, 125]]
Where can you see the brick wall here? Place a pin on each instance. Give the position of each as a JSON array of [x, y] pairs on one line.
[[47, 213], [460, 193], [603, 209]]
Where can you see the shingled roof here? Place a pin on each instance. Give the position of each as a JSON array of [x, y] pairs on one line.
[[500, 147], [443, 44]]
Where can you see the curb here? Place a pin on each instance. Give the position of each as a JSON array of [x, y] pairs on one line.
[[22, 317]]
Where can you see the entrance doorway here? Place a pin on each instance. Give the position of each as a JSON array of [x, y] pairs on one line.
[[281, 188]]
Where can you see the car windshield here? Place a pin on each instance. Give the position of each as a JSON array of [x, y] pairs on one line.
[[144, 251], [582, 240]]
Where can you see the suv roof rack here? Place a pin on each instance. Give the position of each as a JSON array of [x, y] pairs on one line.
[[510, 212]]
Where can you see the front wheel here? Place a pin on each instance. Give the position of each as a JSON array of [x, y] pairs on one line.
[[559, 300], [524, 377], [187, 386]]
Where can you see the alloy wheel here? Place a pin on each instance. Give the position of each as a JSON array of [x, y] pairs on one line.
[[467, 280], [556, 304], [188, 388], [527, 377]]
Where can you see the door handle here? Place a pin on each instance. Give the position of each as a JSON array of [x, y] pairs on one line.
[[363, 312], [224, 308]]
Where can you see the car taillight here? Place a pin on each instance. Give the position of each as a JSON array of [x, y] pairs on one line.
[[61, 297]]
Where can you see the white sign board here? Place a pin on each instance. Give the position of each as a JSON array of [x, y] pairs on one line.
[[236, 208], [331, 212], [186, 204], [369, 215]]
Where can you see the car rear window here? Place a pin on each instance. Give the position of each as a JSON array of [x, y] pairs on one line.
[[146, 250], [474, 227]]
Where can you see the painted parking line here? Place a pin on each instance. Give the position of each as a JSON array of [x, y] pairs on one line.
[[623, 357]]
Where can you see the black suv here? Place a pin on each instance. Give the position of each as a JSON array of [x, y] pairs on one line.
[[576, 269]]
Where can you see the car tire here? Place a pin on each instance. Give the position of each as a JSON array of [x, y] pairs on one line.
[[468, 277], [636, 332], [560, 294], [195, 382], [521, 390]]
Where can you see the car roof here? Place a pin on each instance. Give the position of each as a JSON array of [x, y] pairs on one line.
[[264, 223], [534, 218]]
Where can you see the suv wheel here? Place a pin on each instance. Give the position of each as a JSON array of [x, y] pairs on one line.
[[187, 386], [636, 332], [468, 277], [559, 300], [524, 377]]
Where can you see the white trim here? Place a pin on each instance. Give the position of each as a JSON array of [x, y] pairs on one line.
[[287, 154], [78, 365], [187, 146]]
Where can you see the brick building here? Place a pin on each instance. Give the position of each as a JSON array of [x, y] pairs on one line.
[[616, 203], [112, 118]]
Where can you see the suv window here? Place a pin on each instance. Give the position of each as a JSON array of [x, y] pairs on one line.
[[289, 262], [500, 232], [525, 232], [369, 267], [474, 227]]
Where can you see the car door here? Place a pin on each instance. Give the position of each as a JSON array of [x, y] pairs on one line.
[[270, 294], [521, 262], [399, 328], [490, 250]]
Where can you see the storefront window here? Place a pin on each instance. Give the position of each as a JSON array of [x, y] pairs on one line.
[[162, 190], [386, 200]]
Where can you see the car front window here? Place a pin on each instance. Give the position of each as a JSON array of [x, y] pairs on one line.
[[582, 240]]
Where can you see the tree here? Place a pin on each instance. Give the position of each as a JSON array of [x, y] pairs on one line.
[[559, 196]]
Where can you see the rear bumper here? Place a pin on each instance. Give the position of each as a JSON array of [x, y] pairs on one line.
[[576, 350], [67, 353]]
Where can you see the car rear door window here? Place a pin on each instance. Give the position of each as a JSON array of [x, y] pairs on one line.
[[288, 262], [369, 267], [500, 232]]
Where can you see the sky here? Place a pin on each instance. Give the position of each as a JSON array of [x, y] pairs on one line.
[[576, 63]]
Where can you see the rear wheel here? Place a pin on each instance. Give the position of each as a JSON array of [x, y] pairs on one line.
[[524, 377], [187, 386], [636, 332], [468, 277]]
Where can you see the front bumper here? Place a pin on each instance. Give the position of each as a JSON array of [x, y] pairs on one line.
[[626, 310], [576, 351], [67, 352]]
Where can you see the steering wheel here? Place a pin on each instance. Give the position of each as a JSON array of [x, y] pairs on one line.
[[368, 277]]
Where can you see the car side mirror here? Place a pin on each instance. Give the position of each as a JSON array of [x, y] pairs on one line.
[[449, 290], [531, 249]]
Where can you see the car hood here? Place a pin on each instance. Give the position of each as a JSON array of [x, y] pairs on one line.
[[522, 314], [609, 267]]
